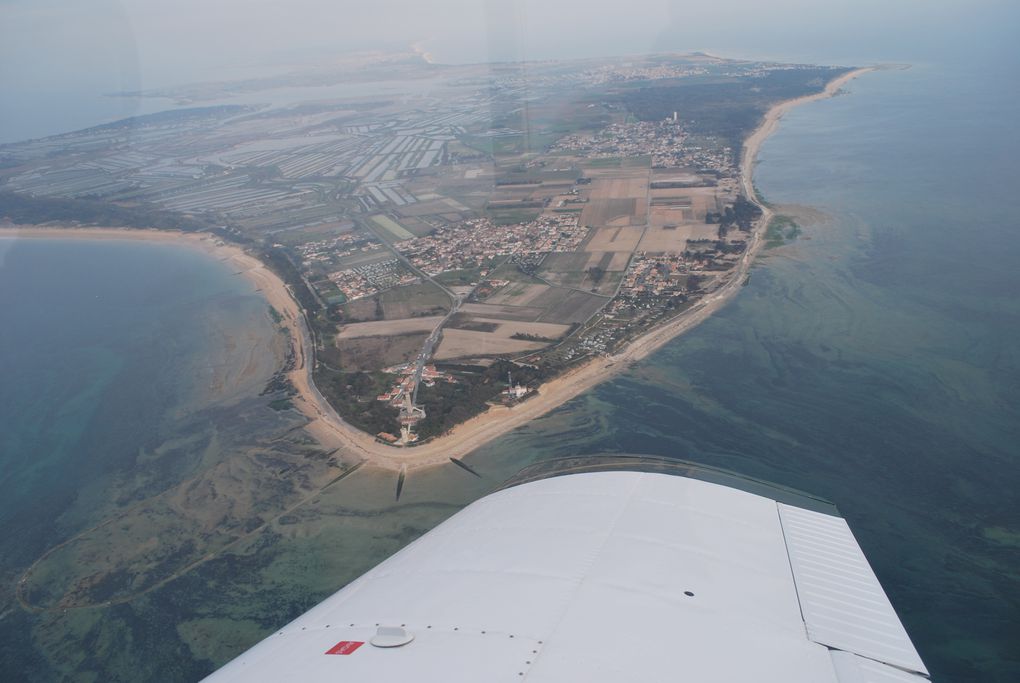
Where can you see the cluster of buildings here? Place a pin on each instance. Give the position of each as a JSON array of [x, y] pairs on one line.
[[366, 280], [663, 141], [525, 80], [597, 342], [520, 80], [513, 392], [651, 286], [651, 279], [471, 243], [405, 384], [666, 142], [717, 159], [644, 72], [763, 69]]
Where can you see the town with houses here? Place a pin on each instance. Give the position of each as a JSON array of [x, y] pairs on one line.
[[447, 238]]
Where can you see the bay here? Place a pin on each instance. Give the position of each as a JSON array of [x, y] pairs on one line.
[[113, 356], [874, 361]]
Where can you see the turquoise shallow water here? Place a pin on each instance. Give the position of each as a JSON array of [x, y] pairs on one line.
[[875, 361], [104, 346]]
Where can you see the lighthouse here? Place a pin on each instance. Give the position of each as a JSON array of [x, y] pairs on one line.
[[514, 392]]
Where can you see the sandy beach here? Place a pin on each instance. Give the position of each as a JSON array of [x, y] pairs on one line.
[[269, 285], [326, 425], [481, 429]]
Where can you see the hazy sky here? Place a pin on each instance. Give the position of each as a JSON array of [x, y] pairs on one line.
[[147, 43], [52, 50]]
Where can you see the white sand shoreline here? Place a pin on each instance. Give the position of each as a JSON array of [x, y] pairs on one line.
[[334, 432]]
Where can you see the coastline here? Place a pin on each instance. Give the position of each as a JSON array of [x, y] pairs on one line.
[[498, 420], [266, 282], [327, 426]]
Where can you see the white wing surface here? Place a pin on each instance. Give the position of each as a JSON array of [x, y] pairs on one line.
[[609, 576]]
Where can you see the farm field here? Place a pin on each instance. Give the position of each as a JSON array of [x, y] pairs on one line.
[[524, 313], [697, 200], [617, 199], [672, 239], [623, 239], [469, 344], [508, 328], [607, 260], [530, 210], [384, 328], [581, 261], [395, 230], [407, 301], [567, 306], [517, 294], [603, 283], [366, 354]]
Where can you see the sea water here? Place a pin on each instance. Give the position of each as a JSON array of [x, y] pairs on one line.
[[105, 346], [876, 360]]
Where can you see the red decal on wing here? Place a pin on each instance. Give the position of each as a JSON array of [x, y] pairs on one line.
[[345, 647]]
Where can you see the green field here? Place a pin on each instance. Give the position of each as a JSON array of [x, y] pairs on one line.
[[509, 271], [396, 230], [512, 216], [463, 276]]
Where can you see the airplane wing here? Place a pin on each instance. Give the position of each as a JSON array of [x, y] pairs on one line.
[[606, 576]]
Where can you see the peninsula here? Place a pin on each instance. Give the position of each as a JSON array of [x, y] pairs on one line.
[[453, 263]]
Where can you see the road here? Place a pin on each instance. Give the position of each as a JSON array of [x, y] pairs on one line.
[[429, 346], [455, 301]]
